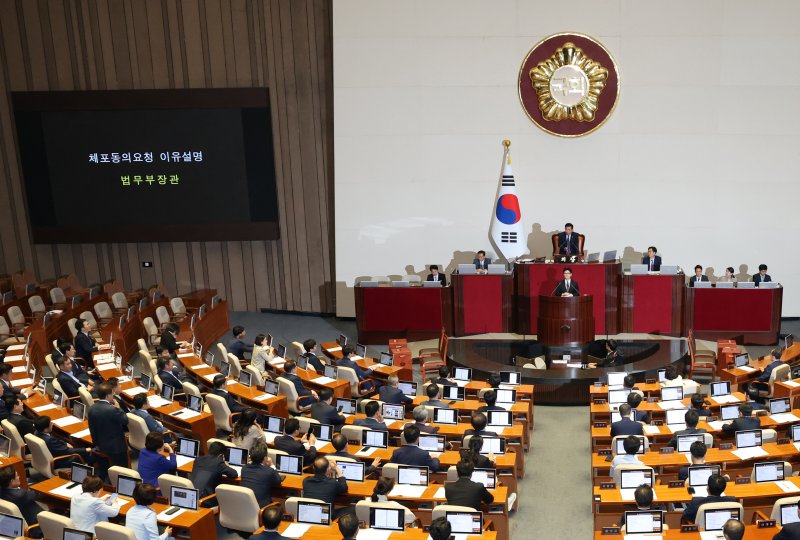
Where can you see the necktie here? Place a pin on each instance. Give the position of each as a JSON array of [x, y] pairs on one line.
[[569, 250], [567, 285], [651, 264]]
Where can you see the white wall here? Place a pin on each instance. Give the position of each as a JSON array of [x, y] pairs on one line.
[[700, 158]]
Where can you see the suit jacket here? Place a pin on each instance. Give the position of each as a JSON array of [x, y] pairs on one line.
[[167, 377], [701, 412], [424, 428], [742, 423], [439, 277], [562, 288], [765, 375], [23, 424], [298, 384], [694, 278], [151, 423], [626, 426], [237, 347], [261, 480], [323, 488], [268, 535], [690, 512], [758, 279], [482, 265], [414, 455], [656, 263], [371, 423], [443, 381], [480, 433], [169, 342], [673, 442], [122, 404], [435, 403], [392, 395], [56, 446], [465, 492], [292, 446], [360, 372], [479, 460], [326, 414], [25, 501], [84, 347], [68, 384], [106, 425], [790, 531], [207, 473], [233, 405], [314, 360], [487, 408], [9, 391], [641, 416], [568, 248], [154, 464]]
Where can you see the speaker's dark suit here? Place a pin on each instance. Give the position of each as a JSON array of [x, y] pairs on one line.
[[562, 288], [371, 423], [655, 266], [465, 492], [758, 279], [694, 278], [482, 265], [673, 442], [169, 342], [439, 277], [25, 501], [626, 426], [568, 246]]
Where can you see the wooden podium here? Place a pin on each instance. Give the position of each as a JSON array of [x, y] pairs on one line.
[[565, 320]]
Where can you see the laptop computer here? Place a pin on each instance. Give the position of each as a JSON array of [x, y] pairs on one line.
[[769, 285], [432, 442], [724, 284], [280, 351], [633, 478], [346, 406], [387, 359], [412, 475], [779, 405], [722, 388], [10, 526], [729, 412], [676, 417], [78, 474], [499, 418], [323, 432], [341, 340], [181, 497], [408, 388], [616, 380], [145, 381], [375, 439], [638, 269], [58, 398], [741, 359], [445, 416], [466, 523], [618, 397], [768, 471], [75, 534], [593, 257], [271, 388], [662, 375], [236, 457], [466, 269], [748, 438], [621, 445], [610, 256], [126, 485], [167, 392], [453, 393], [289, 464], [302, 362], [671, 393], [715, 519], [702, 284], [332, 372], [795, 432], [493, 445], [431, 283], [353, 472], [368, 283], [668, 270], [487, 477], [225, 369], [361, 350], [387, 519], [194, 403], [5, 446], [462, 374], [511, 378], [496, 269], [505, 395], [650, 522], [685, 442], [186, 450], [274, 424], [698, 478], [79, 410], [393, 412], [314, 513], [789, 514], [245, 378], [401, 283]]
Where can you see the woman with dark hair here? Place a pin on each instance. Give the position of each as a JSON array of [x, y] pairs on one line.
[[380, 494], [473, 453], [141, 519], [729, 277], [156, 458], [246, 430]]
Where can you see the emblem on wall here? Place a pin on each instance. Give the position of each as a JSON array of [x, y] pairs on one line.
[[568, 84]]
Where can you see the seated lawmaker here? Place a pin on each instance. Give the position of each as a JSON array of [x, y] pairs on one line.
[[745, 421], [567, 286], [643, 495], [411, 453], [472, 453], [634, 400], [697, 454], [25, 499], [261, 355], [246, 431], [762, 276], [140, 408], [440, 529], [436, 276], [490, 397], [698, 276], [324, 412], [442, 377], [614, 356], [155, 459], [790, 531], [421, 419], [374, 419], [391, 393], [310, 345], [166, 373], [481, 262], [8, 390], [237, 346], [219, 383], [169, 337], [302, 447], [626, 426], [17, 417], [652, 260], [479, 421], [260, 474], [631, 445], [465, 491], [85, 344], [209, 470], [70, 375], [58, 447], [271, 517], [698, 402], [729, 276], [292, 377], [716, 487], [339, 443], [434, 393], [327, 483], [88, 508], [568, 241], [380, 494], [691, 418]]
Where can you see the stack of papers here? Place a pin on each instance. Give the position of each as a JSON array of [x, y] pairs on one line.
[[16, 347], [374, 534], [749, 453], [676, 427], [323, 380], [185, 355], [319, 443], [747, 369], [355, 357], [787, 487], [18, 369], [163, 516], [22, 382], [784, 418], [183, 460], [576, 365], [44, 408], [673, 404], [651, 430], [263, 397], [157, 401], [82, 434], [408, 491], [66, 421], [717, 425], [730, 398], [130, 392], [296, 530], [210, 376], [106, 366]]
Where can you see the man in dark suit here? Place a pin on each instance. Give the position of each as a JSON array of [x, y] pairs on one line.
[[697, 456], [762, 276], [107, 426], [292, 377], [568, 243], [733, 529], [56, 353], [442, 377], [67, 378], [259, 475], [698, 402], [271, 518], [691, 418], [58, 447], [237, 346], [790, 531], [167, 375], [776, 361], [348, 526], [698, 276], [374, 420], [436, 276], [745, 421], [339, 443], [346, 361], [626, 426], [209, 470], [310, 345], [411, 453], [465, 492], [327, 482], [479, 421], [421, 419], [169, 337], [85, 345], [434, 393], [567, 286], [290, 445], [490, 397], [23, 424], [391, 393], [5, 380], [634, 400], [481, 262], [219, 390], [117, 393], [652, 260], [325, 413], [716, 486], [25, 500]]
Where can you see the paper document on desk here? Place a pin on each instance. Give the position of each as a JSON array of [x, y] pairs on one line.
[[673, 404], [747, 369], [784, 418], [405, 490], [334, 349], [296, 530], [717, 425], [750, 453], [263, 397], [82, 434], [22, 382], [183, 460], [45, 408], [439, 493], [106, 367], [793, 384], [65, 421], [157, 401], [16, 347], [722, 400], [651, 430], [210, 376], [186, 355], [643, 537], [787, 487], [700, 491], [130, 392], [461, 383], [627, 494], [676, 427], [373, 534], [323, 380], [163, 516], [18, 369], [319, 444], [62, 491], [356, 358], [270, 437], [576, 365], [711, 535], [185, 414], [123, 379]]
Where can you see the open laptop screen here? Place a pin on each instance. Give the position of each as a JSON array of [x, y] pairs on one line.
[[376, 439], [354, 472], [741, 359], [323, 432], [126, 485], [513, 378], [412, 475], [444, 416], [10, 526], [699, 474], [393, 412], [618, 396], [314, 513], [715, 519], [290, 464], [493, 445], [194, 403], [644, 522], [685, 442], [387, 519], [616, 379], [789, 513], [676, 416], [720, 388], [387, 359], [361, 350], [506, 396], [748, 438], [729, 412], [770, 471], [275, 424], [671, 393], [465, 522], [346, 406], [236, 456], [487, 477], [183, 497], [188, 447], [779, 405], [453, 393], [432, 443], [408, 388], [633, 478], [462, 374], [499, 418]]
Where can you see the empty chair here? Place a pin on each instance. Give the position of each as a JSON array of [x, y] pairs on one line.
[[116, 470], [357, 388], [85, 396], [151, 330], [7, 337], [112, 531], [255, 376], [16, 319], [236, 365], [238, 508], [142, 344], [191, 389], [178, 308], [17, 442], [137, 431], [119, 301], [163, 316], [305, 423], [58, 298], [769, 436], [37, 305], [222, 414], [220, 352], [381, 279], [71, 326], [353, 433], [298, 348], [104, 312], [389, 470], [53, 525]]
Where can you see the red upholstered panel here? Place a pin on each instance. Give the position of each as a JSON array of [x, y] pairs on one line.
[[412, 308], [591, 279], [483, 304], [652, 304], [741, 310]]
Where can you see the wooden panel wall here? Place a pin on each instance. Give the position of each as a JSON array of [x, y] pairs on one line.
[[285, 45]]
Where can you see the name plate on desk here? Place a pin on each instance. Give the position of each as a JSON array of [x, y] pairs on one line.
[[783, 441], [726, 446], [600, 402], [600, 424], [571, 259], [667, 450], [610, 530], [604, 452], [742, 480], [608, 485], [766, 523], [676, 483], [689, 528]]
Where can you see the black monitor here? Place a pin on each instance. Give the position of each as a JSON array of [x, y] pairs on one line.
[[126, 485], [470, 523], [314, 513], [289, 464], [388, 519]]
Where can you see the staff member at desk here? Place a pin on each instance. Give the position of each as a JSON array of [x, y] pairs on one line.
[[481, 262], [567, 286], [436, 276], [568, 241], [652, 260], [728, 277], [762, 276], [698, 276]]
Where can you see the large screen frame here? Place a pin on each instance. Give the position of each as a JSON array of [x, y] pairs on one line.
[[223, 98]]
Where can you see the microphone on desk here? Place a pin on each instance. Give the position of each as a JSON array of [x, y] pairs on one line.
[[566, 327], [555, 288]]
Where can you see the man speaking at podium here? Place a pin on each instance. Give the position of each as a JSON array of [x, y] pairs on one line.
[[568, 241], [567, 286]]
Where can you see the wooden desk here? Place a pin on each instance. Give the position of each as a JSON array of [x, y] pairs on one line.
[[200, 523], [752, 532], [319, 532]]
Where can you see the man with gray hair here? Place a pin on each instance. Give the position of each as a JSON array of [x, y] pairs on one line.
[[390, 393], [421, 420], [734, 530]]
